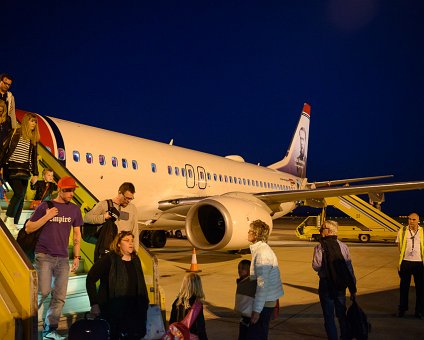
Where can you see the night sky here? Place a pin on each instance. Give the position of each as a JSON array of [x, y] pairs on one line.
[[230, 77]]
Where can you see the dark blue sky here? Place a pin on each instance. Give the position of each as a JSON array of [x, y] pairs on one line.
[[230, 77]]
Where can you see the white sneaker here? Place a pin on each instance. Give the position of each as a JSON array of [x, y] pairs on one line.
[[53, 335]]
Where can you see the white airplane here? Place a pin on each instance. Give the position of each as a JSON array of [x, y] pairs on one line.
[[214, 198]]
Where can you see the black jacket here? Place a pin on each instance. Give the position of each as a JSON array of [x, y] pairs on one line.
[[9, 145]]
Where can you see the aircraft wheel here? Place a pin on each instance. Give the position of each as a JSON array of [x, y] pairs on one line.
[[158, 238], [145, 238], [364, 238], [178, 234]]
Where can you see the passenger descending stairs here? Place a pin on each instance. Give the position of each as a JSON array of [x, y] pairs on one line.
[[368, 216], [77, 302], [18, 281]]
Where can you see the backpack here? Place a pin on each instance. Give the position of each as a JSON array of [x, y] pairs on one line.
[[103, 235], [28, 241], [358, 322], [107, 233], [90, 232]]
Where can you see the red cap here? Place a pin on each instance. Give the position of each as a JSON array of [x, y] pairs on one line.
[[66, 182]]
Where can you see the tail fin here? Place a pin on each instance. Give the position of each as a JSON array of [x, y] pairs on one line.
[[295, 160]]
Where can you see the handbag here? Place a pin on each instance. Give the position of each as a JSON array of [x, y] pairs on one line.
[[181, 330], [358, 322], [155, 328], [35, 203]]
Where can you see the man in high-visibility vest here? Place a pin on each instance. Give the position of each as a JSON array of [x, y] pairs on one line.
[[410, 242]]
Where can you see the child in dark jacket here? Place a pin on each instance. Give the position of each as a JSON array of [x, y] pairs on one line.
[[190, 291], [45, 187], [245, 295]]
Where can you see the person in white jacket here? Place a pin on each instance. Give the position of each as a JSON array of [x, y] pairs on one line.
[[269, 289]]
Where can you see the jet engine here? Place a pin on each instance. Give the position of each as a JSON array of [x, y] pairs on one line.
[[222, 222]]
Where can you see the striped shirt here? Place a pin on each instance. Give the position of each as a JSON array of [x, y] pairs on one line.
[[21, 152]]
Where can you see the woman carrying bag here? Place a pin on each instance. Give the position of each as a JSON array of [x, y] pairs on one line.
[[122, 298], [18, 159]]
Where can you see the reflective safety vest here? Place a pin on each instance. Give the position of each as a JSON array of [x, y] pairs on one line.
[[403, 243]]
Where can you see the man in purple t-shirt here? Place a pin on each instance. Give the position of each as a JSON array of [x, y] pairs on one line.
[[51, 251]]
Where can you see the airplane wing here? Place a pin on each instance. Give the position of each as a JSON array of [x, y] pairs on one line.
[[300, 195], [331, 183], [270, 198]]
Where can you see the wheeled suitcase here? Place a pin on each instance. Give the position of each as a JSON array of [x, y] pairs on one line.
[[89, 328]]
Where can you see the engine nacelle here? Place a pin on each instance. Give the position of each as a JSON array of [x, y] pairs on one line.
[[222, 222]]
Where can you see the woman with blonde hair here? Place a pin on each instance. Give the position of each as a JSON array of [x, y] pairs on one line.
[[122, 295], [18, 158], [191, 291], [264, 268]]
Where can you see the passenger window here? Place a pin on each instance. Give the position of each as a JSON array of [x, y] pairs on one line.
[[124, 163], [244, 181], [102, 159], [190, 173], [177, 171], [61, 154], [169, 170], [114, 162], [239, 180], [89, 158], [183, 172], [231, 179], [215, 177], [76, 156], [154, 168], [220, 178], [248, 182], [226, 178], [209, 176], [134, 165], [202, 176]]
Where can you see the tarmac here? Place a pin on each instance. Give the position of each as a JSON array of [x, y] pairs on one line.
[[375, 266]]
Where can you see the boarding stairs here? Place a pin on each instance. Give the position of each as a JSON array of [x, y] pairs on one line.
[[364, 213], [18, 279]]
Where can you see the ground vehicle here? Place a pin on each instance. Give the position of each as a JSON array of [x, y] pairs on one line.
[[349, 229]]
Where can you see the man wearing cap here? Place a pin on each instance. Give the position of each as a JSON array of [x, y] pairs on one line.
[[123, 210], [51, 251]]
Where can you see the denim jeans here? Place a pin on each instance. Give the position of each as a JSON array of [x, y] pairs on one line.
[[51, 269], [333, 301]]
